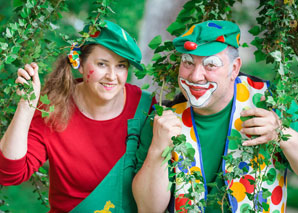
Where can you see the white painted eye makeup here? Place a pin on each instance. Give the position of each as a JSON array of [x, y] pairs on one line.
[[187, 57], [213, 60]]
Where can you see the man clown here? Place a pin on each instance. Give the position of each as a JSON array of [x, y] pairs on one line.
[[214, 94]]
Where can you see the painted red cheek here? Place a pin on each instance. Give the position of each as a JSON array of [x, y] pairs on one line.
[[88, 76], [91, 71]]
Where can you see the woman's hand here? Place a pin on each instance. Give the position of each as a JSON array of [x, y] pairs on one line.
[[30, 72]]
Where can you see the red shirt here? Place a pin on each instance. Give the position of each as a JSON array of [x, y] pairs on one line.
[[79, 157]]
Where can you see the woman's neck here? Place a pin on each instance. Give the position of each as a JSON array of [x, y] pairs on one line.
[[99, 109]]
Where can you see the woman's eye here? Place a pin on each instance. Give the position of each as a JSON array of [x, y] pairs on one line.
[[100, 64]]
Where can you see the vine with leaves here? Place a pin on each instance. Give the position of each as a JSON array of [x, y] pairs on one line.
[[276, 36], [24, 40]]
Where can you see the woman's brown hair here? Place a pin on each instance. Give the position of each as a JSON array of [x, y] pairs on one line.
[[59, 87]]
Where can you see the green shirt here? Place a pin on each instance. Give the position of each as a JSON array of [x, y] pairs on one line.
[[212, 131]]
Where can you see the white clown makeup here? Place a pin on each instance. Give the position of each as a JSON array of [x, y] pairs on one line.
[[212, 61], [198, 94]]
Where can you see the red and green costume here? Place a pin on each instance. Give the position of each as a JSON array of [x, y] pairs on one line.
[[83, 155]]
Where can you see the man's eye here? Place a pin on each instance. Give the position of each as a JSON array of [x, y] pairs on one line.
[[188, 64], [122, 66], [211, 66]]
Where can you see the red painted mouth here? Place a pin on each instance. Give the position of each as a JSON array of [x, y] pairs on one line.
[[197, 91]]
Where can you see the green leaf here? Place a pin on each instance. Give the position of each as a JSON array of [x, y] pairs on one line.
[[156, 56], [32, 96], [145, 86], [44, 99], [175, 26], [245, 118], [170, 96], [245, 45], [159, 109], [10, 59], [259, 55], [276, 55], [44, 114], [8, 33], [266, 194], [255, 30], [17, 3], [166, 151], [3, 46], [52, 108], [155, 42], [15, 49], [265, 206], [170, 185]]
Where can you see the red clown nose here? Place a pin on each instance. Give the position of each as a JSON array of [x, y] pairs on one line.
[[189, 45]]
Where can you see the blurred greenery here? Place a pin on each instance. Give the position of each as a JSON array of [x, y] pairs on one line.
[[22, 199]]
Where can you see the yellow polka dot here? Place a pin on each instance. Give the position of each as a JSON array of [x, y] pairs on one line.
[[195, 169], [179, 108], [281, 181], [238, 191], [192, 134], [256, 160], [189, 32], [242, 92], [175, 156], [238, 124], [282, 208]]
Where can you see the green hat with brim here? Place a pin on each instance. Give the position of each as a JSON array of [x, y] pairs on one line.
[[208, 38], [115, 38]]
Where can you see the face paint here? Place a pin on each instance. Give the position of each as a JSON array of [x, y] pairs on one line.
[[187, 57], [213, 61], [198, 94]]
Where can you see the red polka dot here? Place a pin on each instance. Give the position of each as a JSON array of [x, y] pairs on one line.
[[231, 183], [256, 85], [245, 181], [186, 117], [181, 201], [276, 195]]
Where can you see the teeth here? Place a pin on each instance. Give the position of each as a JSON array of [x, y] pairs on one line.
[[108, 85]]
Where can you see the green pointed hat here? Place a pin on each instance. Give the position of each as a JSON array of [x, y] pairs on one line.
[[115, 38], [208, 38]]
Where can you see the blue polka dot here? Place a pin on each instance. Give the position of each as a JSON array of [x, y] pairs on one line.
[[259, 201], [180, 165], [245, 166]]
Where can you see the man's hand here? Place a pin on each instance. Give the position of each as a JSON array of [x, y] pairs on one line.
[[264, 124], [164, 128]]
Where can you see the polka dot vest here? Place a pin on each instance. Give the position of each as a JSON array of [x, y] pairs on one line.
[[247, 95]]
